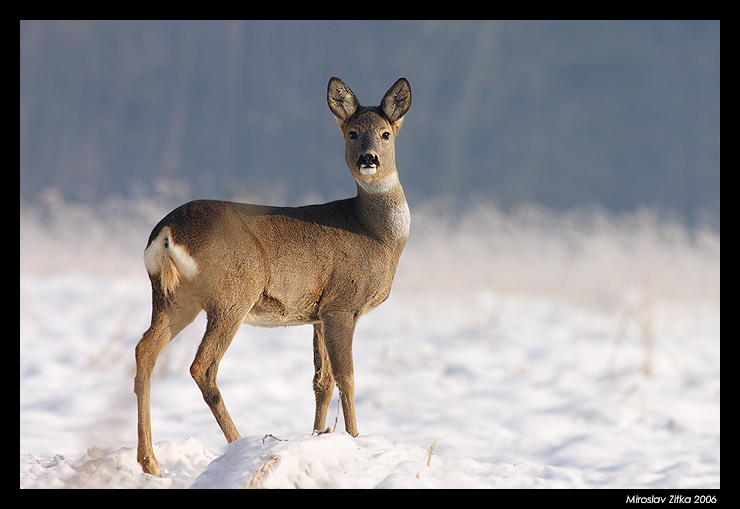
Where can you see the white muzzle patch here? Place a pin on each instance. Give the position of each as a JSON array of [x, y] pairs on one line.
[[368, 169]]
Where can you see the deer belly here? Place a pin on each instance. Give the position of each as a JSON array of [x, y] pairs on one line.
[[270, 311]]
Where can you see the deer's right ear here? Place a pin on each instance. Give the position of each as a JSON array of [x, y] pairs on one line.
[[342, 101]]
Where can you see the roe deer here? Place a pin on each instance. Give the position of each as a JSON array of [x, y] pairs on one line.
[[324, 265]]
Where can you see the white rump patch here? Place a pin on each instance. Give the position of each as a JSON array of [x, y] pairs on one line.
[[185, 263], [155, 253], [163, 248]]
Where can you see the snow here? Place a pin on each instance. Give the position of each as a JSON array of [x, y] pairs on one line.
[[538, 350]]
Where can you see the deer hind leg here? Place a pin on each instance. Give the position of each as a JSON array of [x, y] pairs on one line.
[[221, 329], [167, 321], [338, 329], [323, 379]]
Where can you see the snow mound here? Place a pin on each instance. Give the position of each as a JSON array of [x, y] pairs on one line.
[[340, 461], [298, 461]]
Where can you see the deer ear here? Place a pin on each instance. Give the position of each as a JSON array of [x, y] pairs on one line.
[[397, 101], [342, 101]]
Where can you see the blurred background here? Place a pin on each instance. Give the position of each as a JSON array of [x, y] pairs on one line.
[[562, 276], [564, 114]]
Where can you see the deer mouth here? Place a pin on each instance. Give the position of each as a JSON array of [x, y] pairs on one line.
[[368, 164]]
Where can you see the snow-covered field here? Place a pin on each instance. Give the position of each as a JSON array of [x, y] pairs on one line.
[[539, 350]]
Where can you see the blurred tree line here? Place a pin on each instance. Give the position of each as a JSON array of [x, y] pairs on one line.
[[565, 114]]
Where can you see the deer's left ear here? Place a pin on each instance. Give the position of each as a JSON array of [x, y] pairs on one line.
[[397, 101]]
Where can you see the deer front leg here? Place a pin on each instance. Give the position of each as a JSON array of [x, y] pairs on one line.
[[338, 329], [323, 380]]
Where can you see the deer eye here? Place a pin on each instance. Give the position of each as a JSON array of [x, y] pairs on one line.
[[386, 135], [353, 135]]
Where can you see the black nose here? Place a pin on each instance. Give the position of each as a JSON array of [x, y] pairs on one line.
[[368, 160]]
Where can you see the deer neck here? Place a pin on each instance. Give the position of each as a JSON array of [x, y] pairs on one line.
[[382, 208]]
